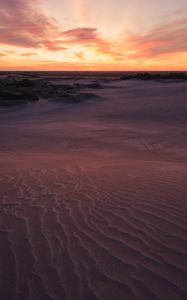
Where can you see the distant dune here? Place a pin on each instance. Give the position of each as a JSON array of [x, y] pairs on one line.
[[93, 196]]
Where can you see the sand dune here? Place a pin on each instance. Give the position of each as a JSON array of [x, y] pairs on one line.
[[94, 206]]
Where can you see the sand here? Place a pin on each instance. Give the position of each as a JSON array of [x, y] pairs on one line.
[[93, 195]]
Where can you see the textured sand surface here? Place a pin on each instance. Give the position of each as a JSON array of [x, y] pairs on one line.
[[93, 196]]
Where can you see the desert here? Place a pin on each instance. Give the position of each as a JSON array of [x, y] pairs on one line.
[[93, 196]]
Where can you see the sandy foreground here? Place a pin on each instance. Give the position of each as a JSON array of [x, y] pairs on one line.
[[93, 196]]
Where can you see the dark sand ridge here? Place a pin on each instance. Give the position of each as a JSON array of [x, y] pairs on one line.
[[93, 196]]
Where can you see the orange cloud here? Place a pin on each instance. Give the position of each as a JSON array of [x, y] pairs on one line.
[[24, 25], [80, 55], [28, 54], [90, 38]]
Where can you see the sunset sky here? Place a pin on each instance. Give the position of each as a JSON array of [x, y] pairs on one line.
[[93, 35]]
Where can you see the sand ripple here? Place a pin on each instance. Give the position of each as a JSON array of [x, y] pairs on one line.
[[80, 234]]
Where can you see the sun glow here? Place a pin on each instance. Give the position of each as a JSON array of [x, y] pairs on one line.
[[100, 35]]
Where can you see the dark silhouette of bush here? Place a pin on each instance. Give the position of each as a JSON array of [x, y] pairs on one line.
[[156, 76], [12, 98]]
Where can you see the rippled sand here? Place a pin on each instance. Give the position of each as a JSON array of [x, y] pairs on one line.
[[93, 196]]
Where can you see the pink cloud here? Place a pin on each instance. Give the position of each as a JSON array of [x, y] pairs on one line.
[[23, 24], [81, 35], [90, 38], [165, 39], [53, 45]]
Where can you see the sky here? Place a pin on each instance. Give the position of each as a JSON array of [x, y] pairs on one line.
[[93, 35]]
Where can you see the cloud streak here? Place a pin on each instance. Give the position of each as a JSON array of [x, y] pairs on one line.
[[166, 39], [90, 38], [23, 24]]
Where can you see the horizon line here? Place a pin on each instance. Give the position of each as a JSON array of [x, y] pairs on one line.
[[89, 71]]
